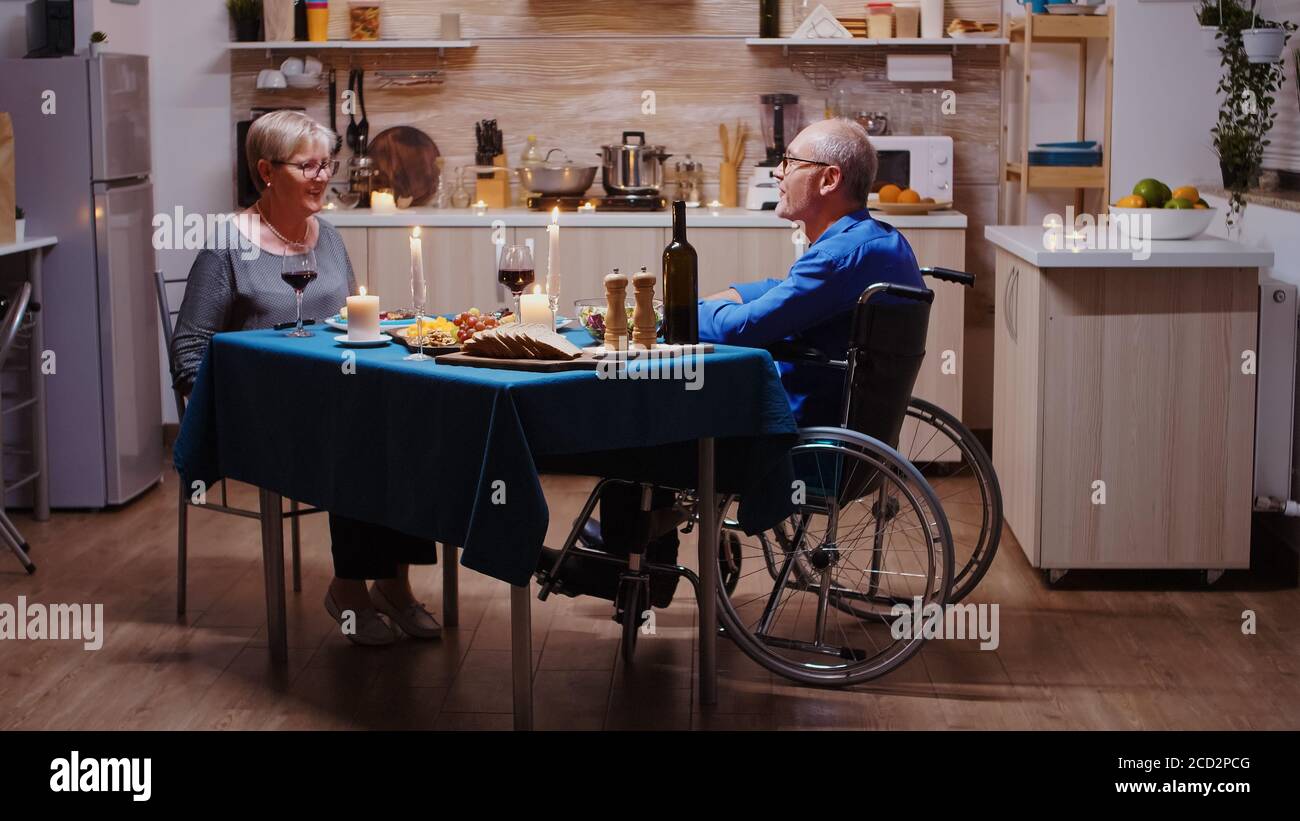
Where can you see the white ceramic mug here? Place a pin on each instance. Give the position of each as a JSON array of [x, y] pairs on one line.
[[271, 78]]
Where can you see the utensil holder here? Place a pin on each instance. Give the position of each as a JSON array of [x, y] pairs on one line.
[[728, 185]]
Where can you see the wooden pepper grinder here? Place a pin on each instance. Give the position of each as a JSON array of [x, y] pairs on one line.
[[615, 312], [643, 315]]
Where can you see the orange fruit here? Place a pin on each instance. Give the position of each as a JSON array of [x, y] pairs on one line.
[[1132, 201], [1187, 192], [889, 193], [1200, 206], [907, 195]]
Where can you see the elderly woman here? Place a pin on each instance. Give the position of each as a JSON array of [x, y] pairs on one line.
[[290, 158]]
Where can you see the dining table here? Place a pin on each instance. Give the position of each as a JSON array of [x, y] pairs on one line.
[[454, 453]]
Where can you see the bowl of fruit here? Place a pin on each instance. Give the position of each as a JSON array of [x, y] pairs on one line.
[[591, 316], [1153, 211], [904, 201]]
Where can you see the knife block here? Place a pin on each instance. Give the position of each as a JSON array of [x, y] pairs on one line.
[[495, 189]]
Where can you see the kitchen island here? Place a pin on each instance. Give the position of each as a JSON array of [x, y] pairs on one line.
[[1123, 406], [734, 245]]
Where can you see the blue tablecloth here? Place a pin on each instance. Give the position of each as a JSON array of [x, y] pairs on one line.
[[450, 453]]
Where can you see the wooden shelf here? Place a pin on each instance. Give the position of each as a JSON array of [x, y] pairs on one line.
[[860, 42], [1043, 177], [1063, 28], [300, 45]]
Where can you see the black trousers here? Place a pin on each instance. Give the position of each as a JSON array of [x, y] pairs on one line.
[[620, 507], [368, 551]]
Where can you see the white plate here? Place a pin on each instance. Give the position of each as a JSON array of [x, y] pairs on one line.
[[371, 342], [963, 35], [338, 323]]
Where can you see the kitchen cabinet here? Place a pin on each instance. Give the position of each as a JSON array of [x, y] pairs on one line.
[[1123, 424], [588, 254], [459, 266], [730, 255], [940, 378], [356, 241]]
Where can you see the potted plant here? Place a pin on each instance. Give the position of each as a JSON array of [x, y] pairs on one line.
[[247, 18], [1245, 112], [97, 41], [20, 227], [1214, 15], [1265, 42]]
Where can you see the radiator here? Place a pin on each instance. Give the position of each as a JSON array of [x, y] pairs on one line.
[[1275, 396]]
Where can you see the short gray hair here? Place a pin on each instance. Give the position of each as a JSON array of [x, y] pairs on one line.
[[848, 147], [276, 136]]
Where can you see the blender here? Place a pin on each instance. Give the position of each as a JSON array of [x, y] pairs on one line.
[[781, 122]]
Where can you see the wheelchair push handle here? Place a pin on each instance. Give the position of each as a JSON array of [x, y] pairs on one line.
[[950, 275], [905, 291]]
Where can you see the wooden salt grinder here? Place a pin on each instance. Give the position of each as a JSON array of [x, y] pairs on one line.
[[615, 311], [643, 315]]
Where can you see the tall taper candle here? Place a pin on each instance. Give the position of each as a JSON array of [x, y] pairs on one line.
[[553, 260], [417, 270]]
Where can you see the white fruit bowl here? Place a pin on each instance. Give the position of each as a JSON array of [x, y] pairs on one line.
[[1166, 223]]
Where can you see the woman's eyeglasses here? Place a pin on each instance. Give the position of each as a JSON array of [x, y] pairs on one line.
[[786, 159], [311, 169]]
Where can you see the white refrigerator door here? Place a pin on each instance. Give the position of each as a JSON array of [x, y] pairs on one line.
[[128, 338], [119, 116]]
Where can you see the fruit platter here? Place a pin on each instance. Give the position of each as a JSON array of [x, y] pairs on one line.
[[1154, 211]]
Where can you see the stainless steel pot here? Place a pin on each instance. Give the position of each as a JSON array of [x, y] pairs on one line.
[[632, 168], [557, 179]]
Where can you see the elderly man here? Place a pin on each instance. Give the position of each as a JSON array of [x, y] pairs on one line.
[[825, 177], [824, 181]]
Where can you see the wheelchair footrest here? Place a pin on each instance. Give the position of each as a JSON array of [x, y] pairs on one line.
[[585, 575]]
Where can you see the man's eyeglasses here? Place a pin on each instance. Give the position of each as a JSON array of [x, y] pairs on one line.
[[312, 168], [786, 159]]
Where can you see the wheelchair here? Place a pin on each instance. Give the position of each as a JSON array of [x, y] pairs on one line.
[[827, 595]]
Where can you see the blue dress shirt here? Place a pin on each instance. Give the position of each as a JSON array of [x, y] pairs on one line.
[[814, 305]]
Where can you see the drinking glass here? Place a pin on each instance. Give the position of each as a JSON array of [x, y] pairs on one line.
[[298, 269], [515, 271]]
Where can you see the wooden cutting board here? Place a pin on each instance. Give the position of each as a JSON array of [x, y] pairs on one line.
[[586, 362]]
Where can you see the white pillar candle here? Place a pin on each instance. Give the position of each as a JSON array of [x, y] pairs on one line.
[[535, 307], [382, 202], [363, 316], [553, 260]]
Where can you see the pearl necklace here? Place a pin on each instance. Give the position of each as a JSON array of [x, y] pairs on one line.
[[277, 234]]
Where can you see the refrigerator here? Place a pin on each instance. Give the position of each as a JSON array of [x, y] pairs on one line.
[[81, 136]]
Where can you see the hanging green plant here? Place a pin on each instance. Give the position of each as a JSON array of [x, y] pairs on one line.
[[1247, 89]]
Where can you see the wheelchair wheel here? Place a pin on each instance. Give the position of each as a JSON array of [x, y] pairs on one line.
[[633, 600], [818, 600], [956, 465]]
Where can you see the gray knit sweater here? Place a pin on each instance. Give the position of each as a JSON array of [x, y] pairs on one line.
[[226, 292]]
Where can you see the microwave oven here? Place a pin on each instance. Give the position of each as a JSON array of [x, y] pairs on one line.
[[922, 163]]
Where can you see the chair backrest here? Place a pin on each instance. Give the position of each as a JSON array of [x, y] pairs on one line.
[[166, 314], [885, 355], [13, 319]]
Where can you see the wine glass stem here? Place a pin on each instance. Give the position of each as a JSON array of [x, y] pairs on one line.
[[298, 298], [519, 316]]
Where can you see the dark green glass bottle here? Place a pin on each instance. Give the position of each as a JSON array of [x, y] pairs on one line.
[[681, 284]]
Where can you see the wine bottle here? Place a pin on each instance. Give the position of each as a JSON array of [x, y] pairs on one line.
[[681, 284], [769, 18]]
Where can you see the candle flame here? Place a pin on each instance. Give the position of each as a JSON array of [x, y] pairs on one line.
[[363, 290], [415, 232], [555, 215], [537, 289]]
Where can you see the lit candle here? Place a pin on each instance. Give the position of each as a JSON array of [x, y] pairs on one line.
[[480, 208], [553, 260], [535, 307], [417, 269], [587, 206], [363, 316], [382, 202], [715, 208]]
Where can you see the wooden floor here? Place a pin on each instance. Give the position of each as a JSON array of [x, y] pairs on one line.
[[1125, 651]]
